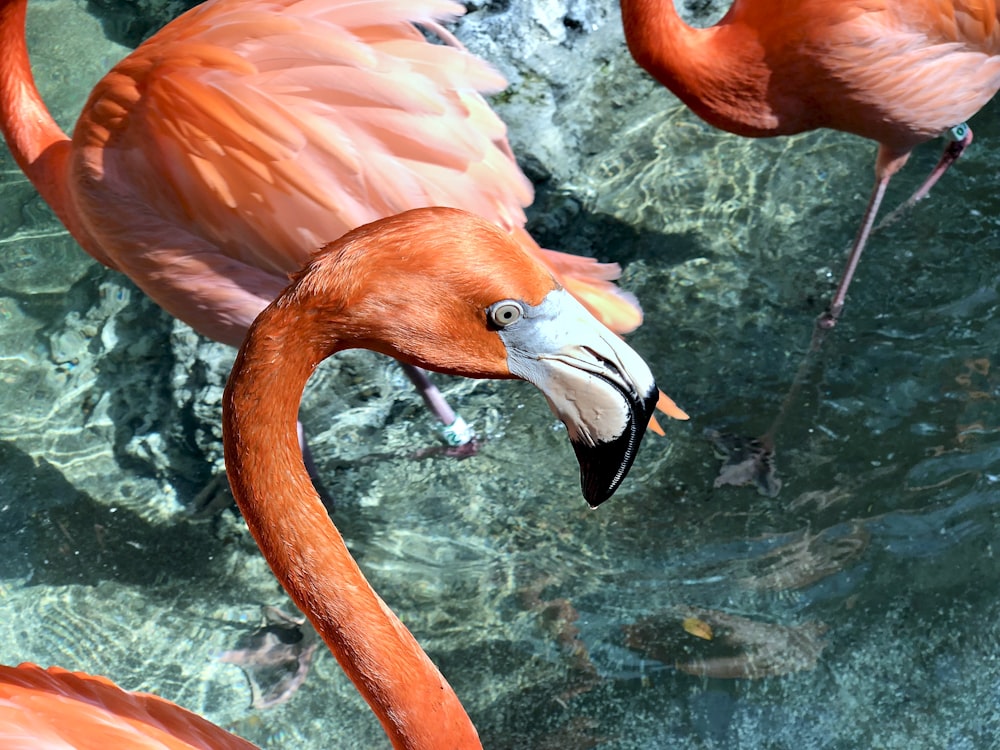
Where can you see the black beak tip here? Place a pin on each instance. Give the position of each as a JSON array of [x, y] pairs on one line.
[[595, 492], [603, 467]]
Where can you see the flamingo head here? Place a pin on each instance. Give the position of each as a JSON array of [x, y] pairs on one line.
[[448, 291]]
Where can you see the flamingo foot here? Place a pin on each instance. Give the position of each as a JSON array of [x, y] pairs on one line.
[[276, 657], [747, 461], [465, 450]]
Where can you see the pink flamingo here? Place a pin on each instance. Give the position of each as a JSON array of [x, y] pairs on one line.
[[477, 305]]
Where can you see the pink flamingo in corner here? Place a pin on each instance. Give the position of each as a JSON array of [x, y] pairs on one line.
[[209, 163], [899, 72], [476, 305]]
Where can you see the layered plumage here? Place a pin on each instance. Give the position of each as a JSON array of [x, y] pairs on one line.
[[57, 710], [211, 162]]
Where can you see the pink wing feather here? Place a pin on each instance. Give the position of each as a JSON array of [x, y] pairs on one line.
[[52, 709], [229, 146]]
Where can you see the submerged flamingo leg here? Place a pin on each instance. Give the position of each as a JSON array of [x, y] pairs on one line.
[[959, 138], [456, 431]]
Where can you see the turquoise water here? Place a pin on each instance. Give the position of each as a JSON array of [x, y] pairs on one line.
[[857, 607]]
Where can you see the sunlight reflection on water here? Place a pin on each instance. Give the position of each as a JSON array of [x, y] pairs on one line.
[[883, 532]]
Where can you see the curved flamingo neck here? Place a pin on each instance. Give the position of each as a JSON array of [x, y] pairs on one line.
[[417, 707], [718, 72], [38, 144]]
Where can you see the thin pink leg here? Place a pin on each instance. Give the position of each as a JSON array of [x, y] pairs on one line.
[[456, 431], [828, 319], [959, 138], [763, 448]]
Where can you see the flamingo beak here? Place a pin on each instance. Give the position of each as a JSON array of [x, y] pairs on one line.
[[594, 382]]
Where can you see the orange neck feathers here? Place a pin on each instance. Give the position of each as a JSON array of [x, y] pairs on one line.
[[30, 131], [417, 707], [337, 304], [39, 146], [722, 73]]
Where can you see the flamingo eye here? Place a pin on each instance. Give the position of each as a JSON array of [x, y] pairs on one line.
[[503, 314]]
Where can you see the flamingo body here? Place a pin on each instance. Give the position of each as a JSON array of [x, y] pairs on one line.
[[899, 72], [477, 305], [56, 710], [210, 162]]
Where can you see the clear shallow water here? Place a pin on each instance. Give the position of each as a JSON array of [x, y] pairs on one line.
[[872, 572]]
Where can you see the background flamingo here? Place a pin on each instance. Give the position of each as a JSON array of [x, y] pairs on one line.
[[210, 162], [54, 708], [899, 72], [477, 305]]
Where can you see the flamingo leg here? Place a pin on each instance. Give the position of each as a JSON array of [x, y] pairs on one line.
[[829, 317], [761, 450], [456, 431], [959, 139]]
